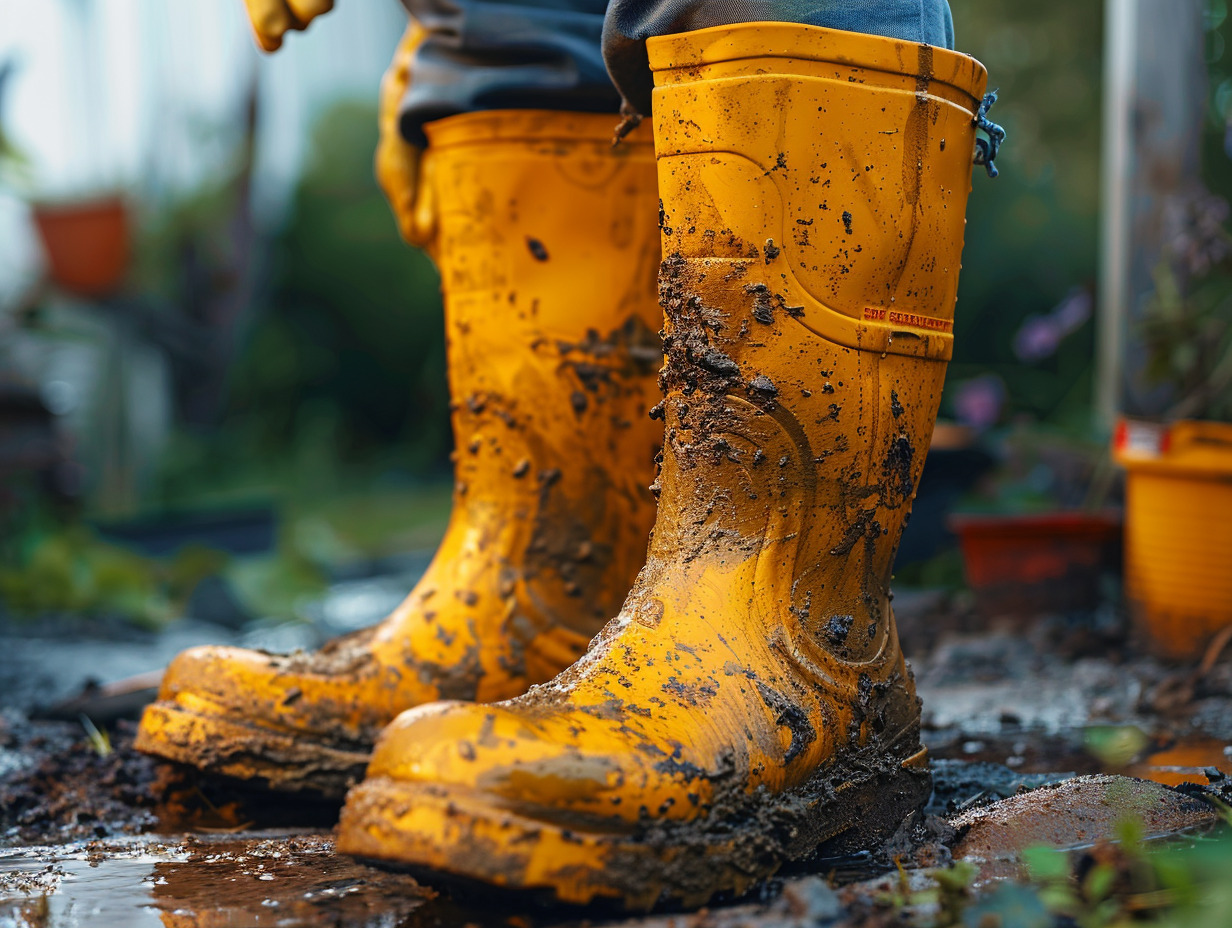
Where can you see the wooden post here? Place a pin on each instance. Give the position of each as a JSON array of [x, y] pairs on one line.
[[1154, 104]]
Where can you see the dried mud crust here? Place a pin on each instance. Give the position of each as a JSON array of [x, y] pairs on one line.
[[282, 760], [852, 805], [346, 655], [855, 803]]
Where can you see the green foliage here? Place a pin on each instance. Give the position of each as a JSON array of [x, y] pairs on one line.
[[198, 222], [954, 892], [1216, 138], [71, 569], [1188, 337], [339, 377], [1032, 233], [1132, 882], [272, 586], [1181, 882], [100, 741], [1044, 467], [354, 332], [942, 571], [15, 170], [1115, 745]]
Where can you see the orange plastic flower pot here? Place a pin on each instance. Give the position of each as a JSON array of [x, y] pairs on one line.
[[87, 244], [1178, 532], [1025, 565]]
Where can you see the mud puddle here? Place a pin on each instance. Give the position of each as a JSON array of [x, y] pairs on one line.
[[94, 834], [292, 877], [216, 881], [291, 880], [1123, 749], [1187, 760]]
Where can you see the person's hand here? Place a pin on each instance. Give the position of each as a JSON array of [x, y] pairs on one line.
[[399, 163], [272, 19]]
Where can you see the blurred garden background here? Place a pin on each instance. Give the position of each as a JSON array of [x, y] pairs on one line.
[[224, 419], [256, 411]]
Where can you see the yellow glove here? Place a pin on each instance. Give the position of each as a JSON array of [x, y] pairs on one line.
[[272, 19], [401, 169]]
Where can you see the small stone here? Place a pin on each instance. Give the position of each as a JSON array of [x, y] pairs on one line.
[[763, 384], [1077, 813]]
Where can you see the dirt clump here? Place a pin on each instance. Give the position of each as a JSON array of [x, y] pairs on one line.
[[58, 785]]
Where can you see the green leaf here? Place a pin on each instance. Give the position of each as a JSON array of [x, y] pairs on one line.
[[1046, 864], [1099, 882]]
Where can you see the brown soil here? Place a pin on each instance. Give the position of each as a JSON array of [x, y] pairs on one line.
[[56, 787]]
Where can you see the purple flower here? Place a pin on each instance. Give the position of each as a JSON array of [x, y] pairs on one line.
[[978, 402], [1039, 337]]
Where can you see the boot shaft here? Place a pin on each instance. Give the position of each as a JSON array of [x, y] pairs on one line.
[[545, 238], [839, 164], [814, 185]]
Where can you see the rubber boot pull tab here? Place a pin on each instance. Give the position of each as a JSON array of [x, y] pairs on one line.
[[986, 150]]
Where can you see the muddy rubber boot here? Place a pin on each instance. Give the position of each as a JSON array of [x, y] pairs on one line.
[[548, 251], [750, 702]]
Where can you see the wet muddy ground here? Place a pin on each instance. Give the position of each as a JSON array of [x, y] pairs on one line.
[[92, 833]]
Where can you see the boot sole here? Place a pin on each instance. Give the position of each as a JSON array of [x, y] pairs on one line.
[[283, 760], [467, 837]]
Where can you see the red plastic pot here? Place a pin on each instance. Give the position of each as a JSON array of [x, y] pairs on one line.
[[1026, 565], [87, 244]]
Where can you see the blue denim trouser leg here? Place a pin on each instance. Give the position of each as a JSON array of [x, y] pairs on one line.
[[630, 22], [583, 55]]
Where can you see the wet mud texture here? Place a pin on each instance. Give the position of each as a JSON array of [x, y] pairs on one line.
[[71, 820], [67, 815], [56, 787], [214, 881]]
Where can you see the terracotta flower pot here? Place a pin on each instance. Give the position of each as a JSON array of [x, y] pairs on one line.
[[87, 244], [1178, 531], [1025, 565]]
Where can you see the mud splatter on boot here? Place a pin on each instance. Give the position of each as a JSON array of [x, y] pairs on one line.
[[547, 247], [750, 701]]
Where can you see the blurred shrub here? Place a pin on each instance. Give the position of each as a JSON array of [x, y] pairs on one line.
[[355, 323], [72, 570], [1178, 882], [1187, 329], [1032, 234], [1217, 135], [342, 368]]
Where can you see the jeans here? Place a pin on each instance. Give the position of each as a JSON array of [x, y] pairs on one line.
[[585, 55]]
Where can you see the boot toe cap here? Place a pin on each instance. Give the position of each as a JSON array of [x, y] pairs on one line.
[[281, 691], [553, 764]]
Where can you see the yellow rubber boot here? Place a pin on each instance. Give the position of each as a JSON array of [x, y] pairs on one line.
[[548, 250], [750, 702]]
